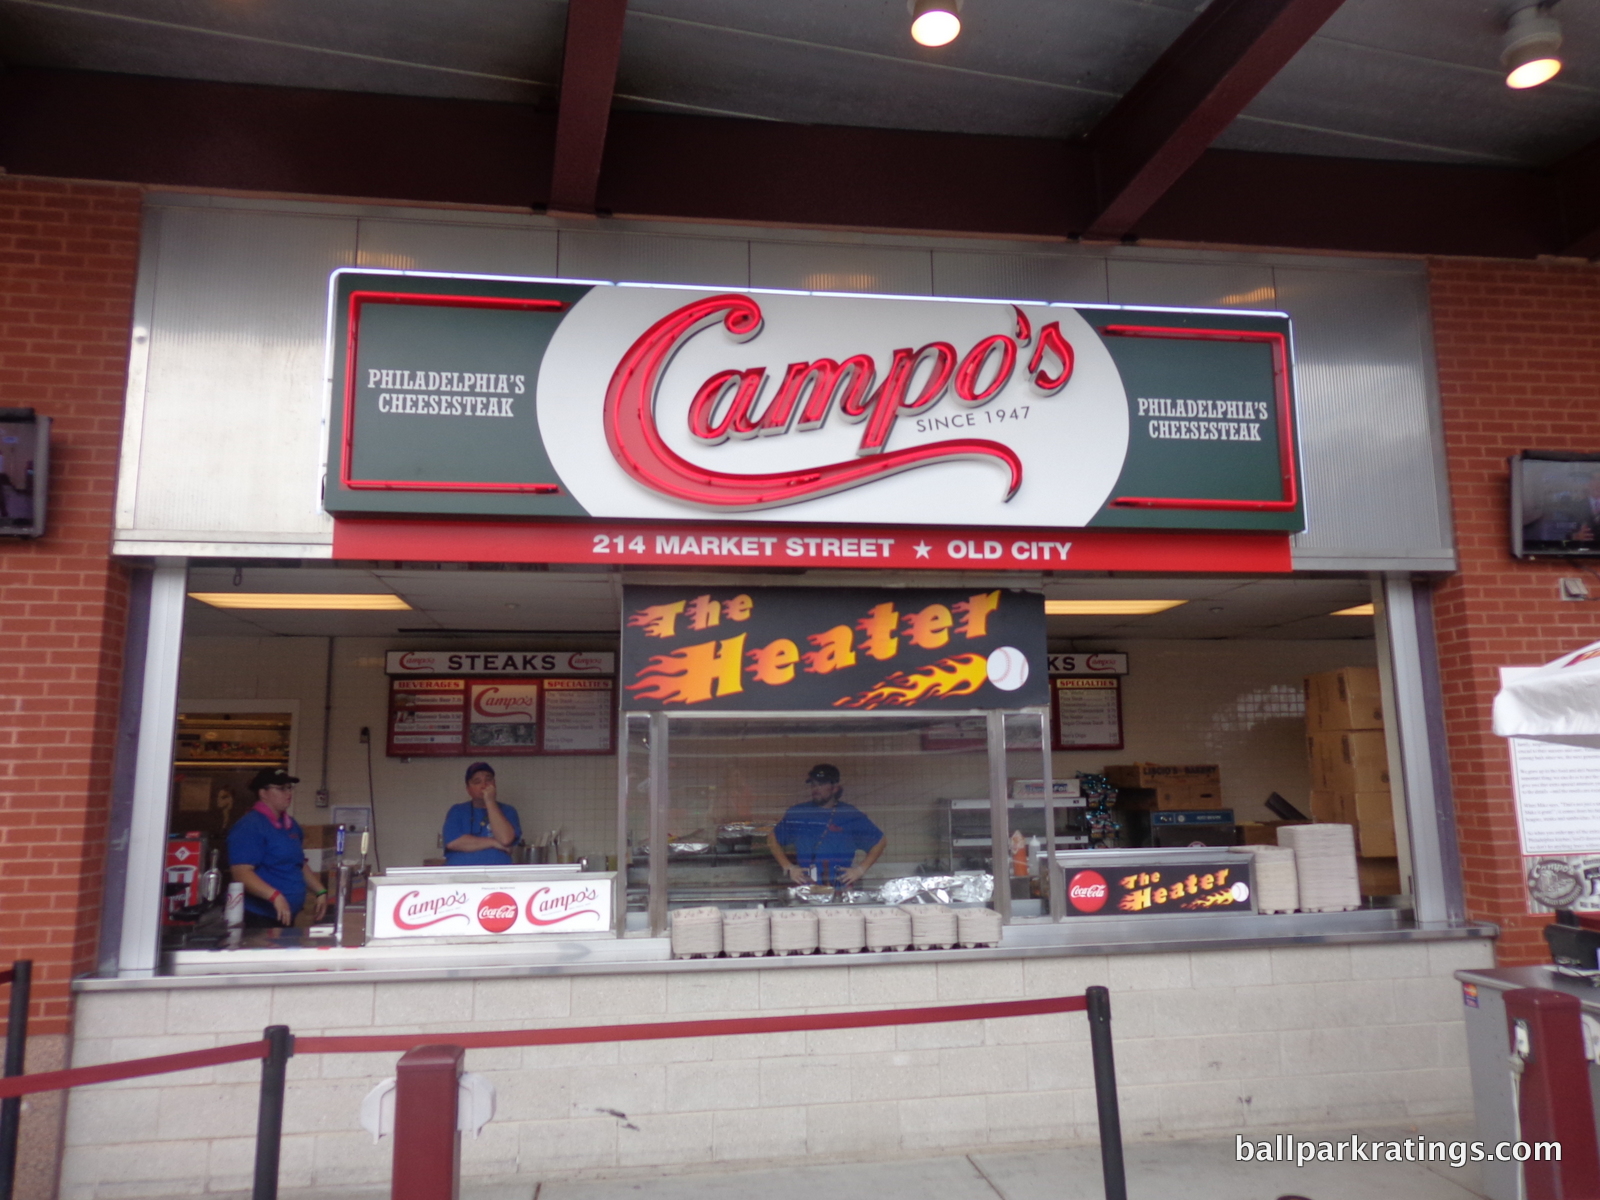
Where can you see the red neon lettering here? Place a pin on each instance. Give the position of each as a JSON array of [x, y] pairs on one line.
[[637, 444]]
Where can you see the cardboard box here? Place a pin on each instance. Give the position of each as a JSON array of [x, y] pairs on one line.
[[1349, 698], [1379, 876], [1374, 822], [1259, 833], [1329, 807], [1151, 785], [1352, 761], [318, 837]]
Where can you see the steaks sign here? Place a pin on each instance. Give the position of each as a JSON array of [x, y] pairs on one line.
[[819, 648], [542, 398], [504, 909]]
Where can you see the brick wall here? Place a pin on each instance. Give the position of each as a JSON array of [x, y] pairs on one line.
[[68, 256], [1519, 368]]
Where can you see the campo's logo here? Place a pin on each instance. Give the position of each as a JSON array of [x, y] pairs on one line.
[[491, 702], [724, 407]]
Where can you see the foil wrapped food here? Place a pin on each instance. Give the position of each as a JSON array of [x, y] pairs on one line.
[[964, 887]]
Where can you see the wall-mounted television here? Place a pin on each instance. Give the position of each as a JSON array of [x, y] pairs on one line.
[[1555, 504], [24, 472]]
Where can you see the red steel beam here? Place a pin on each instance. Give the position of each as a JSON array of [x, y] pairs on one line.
[[588, 81], [1196, 88]]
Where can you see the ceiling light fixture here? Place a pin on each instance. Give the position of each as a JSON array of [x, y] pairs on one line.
[[1360, 610], [1108, 608], [934, 22], [1529, 51], [361, 601]]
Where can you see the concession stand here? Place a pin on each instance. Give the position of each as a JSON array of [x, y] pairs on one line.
[[1012, 586]]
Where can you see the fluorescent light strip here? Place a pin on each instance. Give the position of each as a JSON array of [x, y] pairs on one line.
[[361, 601], [1360, 610], [1108, 608]]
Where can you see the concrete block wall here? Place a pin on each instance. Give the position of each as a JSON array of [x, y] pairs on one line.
[[1208, 1042]]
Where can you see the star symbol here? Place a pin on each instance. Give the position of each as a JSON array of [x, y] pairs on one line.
[[922, 549]]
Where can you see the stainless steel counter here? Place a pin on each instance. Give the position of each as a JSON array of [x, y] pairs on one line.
[[1040, 938]]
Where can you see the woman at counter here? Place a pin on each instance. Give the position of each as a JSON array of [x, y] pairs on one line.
[[266, 853]]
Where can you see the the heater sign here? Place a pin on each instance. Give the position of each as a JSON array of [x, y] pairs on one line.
[[505, 909], [844, 648]]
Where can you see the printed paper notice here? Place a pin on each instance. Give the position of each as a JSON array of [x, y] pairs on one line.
[[577, 716], [1558, 796]]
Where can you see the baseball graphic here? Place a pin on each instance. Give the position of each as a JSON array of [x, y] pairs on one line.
[[1008, 668]]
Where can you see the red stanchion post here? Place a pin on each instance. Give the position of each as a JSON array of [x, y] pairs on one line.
[[427, 1145], [1554, 1103]]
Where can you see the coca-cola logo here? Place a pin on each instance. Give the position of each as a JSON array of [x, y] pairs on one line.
[[547, 907], [725, 406], [1088, 891], [497, 912], [493, 702], [411, 913], [583, 662]]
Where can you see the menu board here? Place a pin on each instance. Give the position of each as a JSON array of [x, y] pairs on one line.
[[454, 718], [577, 716], [1086, 712]]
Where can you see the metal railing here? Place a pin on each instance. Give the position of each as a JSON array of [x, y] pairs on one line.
[[20, 979], [277, 1045]]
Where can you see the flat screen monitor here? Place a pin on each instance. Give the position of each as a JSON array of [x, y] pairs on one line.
[[1555, 504], [24, 472]]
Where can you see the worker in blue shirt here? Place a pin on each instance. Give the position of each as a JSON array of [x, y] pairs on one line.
[[481, 831], [826, 833], [266, 853]]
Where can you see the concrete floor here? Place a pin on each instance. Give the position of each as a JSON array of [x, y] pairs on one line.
[[1194, 1170], [1190, 1170]]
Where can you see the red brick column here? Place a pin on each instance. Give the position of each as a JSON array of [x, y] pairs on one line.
[[1519, 369], [68, 257]]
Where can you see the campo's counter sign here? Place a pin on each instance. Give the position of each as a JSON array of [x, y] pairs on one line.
[[818, 648], [530, 398]]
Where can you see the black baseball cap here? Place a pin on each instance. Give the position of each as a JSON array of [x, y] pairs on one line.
[[823, 773], [476, 767], [272, 777]]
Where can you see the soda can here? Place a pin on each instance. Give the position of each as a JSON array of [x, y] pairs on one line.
[[233, 910]]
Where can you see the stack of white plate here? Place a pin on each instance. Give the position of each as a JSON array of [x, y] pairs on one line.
[[888, 929], [696, 932], [794, 931], [978, 926], [841, 930], [746, 931], [1276, 883], [1325, 861], [933, 926]]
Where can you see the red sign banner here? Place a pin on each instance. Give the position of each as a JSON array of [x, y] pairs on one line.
[[650, 543]]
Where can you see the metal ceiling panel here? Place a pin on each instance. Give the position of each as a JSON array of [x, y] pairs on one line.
[[1047, 276], [1372, 447], [476, 249], [646, 258], [472, 49], [835, 267], [231, 420], [1190, 284]]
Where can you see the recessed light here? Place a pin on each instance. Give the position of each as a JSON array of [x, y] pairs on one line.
[[363, 601], [1108, 608], [934, 22], [1360, 610], [1530, 51]]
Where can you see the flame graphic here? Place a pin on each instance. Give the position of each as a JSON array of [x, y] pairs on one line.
[[958, 676]]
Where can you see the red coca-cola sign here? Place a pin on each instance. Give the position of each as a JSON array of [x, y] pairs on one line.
[[1088, 891], [497, 912]]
